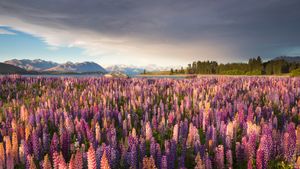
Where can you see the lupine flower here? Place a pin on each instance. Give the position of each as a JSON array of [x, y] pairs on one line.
[[175, 133], [78, 159], [36, 145], [148, 131], [148, 163], [56, 160], [164, 163], [2, 156], [133, 157], [91, 156], [220, 156], [46, 162], [104, 161], [65, 144], [9, 161], [54, 144], [163, 117], [229, 159], [199, 163], [261, 163], [72, 163], [46, 139], [31, 164], [249, 164], [98, 133], [62, 163], [15, 147]]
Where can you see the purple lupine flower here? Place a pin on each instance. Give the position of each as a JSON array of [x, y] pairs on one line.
[[208, 164], [229, 159], [36, 146], [133, 157], [240, 152], [46, 139], [153, 149], [219, 156], [266, 145], [288, 146], [142, 148], [158, 155], [99, 153], [164, 162], [65, 144], [114, 157], [251, 146], [54, 147]]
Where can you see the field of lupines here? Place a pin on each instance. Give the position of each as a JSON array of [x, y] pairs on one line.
[[207, 122]]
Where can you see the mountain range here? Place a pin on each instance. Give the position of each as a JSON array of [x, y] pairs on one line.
[[289, 59], [32, 65], [49, 66], [134, 70], [39, 65], [10, 69]]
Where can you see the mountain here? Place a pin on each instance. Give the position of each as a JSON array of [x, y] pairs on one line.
[[289, 59], [83, 67], [129, 70], [10, 69], [134, 70], [49, 66], [32, 65]]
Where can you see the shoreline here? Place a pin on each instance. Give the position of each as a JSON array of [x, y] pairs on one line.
[[212, 75]]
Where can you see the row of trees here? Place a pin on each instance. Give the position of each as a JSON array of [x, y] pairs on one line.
[[255, 66]]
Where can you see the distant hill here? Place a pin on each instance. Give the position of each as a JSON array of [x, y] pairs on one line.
[[10, 69], [32, 65], [135, 70], [43, 66], [289, 59], [77, 67], [129, 70]]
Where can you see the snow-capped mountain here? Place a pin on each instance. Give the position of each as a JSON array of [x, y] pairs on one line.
[[134, 70], [77, 67], [35, 65], [49, 66], [129, 70]]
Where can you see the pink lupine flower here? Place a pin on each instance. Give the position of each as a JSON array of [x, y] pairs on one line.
[[2, 156], [148, 131], [91, 156]]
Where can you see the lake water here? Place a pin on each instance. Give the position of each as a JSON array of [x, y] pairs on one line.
[[98, 75]]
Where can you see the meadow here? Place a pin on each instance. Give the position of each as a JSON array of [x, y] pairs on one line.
[[100, 123]]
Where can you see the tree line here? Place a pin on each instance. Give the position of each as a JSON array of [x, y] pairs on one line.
[[255, 66]]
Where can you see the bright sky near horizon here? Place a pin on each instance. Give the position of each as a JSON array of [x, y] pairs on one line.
[[165, 32]]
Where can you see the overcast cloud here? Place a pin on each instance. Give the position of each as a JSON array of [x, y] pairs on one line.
[[164, 31]]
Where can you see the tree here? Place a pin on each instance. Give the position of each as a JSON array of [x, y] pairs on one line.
[[172, 71]]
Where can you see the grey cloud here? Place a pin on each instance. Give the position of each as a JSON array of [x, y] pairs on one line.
[[248, 28]]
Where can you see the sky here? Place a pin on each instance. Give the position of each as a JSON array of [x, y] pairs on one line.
[[143, 32]]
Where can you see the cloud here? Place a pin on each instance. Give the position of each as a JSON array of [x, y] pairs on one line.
[[160, 31], [6, 32]]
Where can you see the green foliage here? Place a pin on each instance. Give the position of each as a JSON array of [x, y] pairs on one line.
[[190, 158], [233, 72], [255, 66], [147, 148], [295, 72], [279, 164], [202, 135], [254, 72]]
